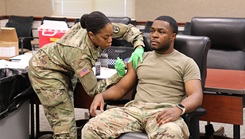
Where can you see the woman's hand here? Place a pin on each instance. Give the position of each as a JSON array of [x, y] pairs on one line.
[[136, 55], [120, 67], [98, 101]]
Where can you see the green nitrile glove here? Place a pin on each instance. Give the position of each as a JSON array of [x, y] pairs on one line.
[[136, 55], [120, 67]]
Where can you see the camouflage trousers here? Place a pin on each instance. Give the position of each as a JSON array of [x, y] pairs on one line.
[[134, 117], [55, 94], [59, 111]]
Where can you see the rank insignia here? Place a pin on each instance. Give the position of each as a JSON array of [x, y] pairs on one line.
[[116, 29]]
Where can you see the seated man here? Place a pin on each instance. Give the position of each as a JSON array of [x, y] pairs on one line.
[[165, 78]]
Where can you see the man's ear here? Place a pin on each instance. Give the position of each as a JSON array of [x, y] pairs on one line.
[[91, 35], [173, 36]]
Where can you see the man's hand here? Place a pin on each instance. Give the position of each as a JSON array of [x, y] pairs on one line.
[[168, 115], [120, 67], [98, 101], [136, 55]]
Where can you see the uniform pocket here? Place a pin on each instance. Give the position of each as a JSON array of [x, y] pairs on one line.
[[52, 97]]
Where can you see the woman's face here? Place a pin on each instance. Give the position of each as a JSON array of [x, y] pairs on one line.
[[103, 38]]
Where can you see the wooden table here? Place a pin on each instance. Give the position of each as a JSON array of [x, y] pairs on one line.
[[224, 98]]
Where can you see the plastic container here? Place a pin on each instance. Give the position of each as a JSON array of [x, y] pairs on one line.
[[15, 93], [16, 124], [51, 31]]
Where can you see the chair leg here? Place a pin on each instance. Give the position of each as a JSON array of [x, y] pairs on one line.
[[32, 122], [209, 130], [194, 128], [80, 124], [37, 120]]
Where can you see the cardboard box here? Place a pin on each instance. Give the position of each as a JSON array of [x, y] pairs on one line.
[[9, 45], [51, 31]]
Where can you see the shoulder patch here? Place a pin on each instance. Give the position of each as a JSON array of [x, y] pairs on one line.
[[116, 29], [84, 72]]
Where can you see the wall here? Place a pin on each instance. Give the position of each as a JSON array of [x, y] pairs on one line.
[[184, 10], [181, 10], [28, 7], [2, 7]]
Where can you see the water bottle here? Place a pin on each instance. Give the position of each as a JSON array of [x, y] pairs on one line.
[[97, 68]]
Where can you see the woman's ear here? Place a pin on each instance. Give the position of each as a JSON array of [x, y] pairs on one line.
[[91, 35]]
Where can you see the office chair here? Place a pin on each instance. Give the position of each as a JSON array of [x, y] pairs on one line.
[[227, 50], [187, 28], [196, 48], [147, 27], [76, 20], [23, 26]]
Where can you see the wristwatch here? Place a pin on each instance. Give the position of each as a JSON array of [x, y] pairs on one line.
[[182, 107]]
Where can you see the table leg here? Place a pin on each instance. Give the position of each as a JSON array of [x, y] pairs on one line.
[[236, 131], [32, 122], [37, 121]]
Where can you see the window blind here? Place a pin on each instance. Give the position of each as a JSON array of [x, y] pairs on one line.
[[76, 8]]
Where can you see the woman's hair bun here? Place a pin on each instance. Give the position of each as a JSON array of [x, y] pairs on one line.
[[83, 19]]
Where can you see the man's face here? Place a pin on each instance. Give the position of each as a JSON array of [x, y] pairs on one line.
[[161, 36], [103, 38]]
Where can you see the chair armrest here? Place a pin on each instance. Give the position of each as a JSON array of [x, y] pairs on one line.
[[197, 113], [23, 38], [192, 120]]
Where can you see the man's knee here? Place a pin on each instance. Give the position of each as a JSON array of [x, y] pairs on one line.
[[65, 132], [88, 132], [169, 131], [91, 130]]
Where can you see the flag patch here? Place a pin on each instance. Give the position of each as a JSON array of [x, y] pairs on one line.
[[84, 71]]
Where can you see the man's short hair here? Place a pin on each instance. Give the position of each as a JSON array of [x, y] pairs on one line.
[[171, 21]]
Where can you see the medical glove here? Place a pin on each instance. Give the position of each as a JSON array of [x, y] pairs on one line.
[[120, 67], [136, 55]]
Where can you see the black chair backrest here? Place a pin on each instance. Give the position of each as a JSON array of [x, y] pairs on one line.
[[197, 48], [224, 33], [147, 26], [227, 50], [187, 28], [20, 19], [23, 26], [76, 20], [123, 20]]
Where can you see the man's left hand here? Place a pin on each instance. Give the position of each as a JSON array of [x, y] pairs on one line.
[[168, 115]]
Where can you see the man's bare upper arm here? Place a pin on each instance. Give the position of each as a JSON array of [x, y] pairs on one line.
[[129, 80], [193, 86]]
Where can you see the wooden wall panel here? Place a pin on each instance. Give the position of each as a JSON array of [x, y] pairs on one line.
[[184, 10], [181, 10], [29, 7]]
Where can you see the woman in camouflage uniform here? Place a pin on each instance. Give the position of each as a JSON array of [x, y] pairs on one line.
[[54, 69]]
